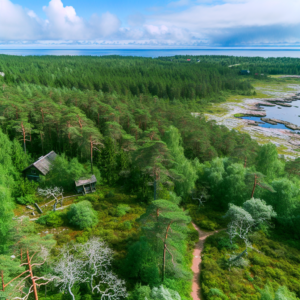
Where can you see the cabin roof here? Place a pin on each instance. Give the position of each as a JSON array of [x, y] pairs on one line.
[[83, 181], [43, 164]]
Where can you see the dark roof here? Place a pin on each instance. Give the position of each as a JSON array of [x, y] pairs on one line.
[[83, 181], [43, 164]]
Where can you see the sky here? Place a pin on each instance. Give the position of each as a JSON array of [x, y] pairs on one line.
[[149, 23]]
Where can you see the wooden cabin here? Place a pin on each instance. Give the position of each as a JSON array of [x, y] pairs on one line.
[[244, 72], [40, 167], [86, 185]]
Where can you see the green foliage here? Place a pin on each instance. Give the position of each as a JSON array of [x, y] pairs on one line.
[[52, 219], [272, 263], [226, 181], [184, 168], [268, 162], [207, 217], [20, 160], [282, 293], [126, 225], [121, 210], [82, 215], [141, 263], [27, 199], [156, 293], [216, 292], [25, 187], [64, 172], [7, 172], [286, 197]]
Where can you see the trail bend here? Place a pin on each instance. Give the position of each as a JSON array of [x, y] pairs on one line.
[[196, 266]]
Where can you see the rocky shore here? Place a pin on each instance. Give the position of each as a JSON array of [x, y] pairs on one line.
[[287, 141], [258, 111]]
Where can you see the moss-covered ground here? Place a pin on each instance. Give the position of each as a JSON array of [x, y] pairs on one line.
[[273, 260]]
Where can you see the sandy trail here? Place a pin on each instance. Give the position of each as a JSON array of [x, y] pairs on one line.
[[196, 266]]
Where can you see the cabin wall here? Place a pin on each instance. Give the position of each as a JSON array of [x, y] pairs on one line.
[[32, 174]]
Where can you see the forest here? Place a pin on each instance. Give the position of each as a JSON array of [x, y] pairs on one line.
[[136, 125]]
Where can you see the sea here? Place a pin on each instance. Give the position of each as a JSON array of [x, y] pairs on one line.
[[156, 52]]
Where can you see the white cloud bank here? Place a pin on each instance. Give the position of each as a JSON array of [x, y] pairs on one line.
[[200, 22], [62, 23]]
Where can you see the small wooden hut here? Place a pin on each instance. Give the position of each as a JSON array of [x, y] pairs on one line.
[[86, 185], [40, 167]]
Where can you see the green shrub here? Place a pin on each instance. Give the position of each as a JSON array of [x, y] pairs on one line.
[[209, 225], [193, 235], [25, 187], [52, 219], [157, 293], [110, 194], [27, 199], [119, 211], [216, 292], [82, 215], [224, 243], [126, 225]]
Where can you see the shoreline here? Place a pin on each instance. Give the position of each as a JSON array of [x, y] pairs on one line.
[[230, 112], [258, 111]]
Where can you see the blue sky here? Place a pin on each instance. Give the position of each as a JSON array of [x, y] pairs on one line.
[[149, 24]]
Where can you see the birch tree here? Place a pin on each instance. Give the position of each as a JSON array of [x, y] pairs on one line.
[[90, 263], [245, 219], [69, 270], [98, 256]]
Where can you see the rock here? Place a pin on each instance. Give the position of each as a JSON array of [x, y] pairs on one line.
[[29, 207], [33, 213], [270, 121], [284, 104]]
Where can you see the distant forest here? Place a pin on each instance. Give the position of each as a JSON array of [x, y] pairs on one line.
[[124, 75]]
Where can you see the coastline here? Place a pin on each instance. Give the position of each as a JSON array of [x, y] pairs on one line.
[[229, 114]]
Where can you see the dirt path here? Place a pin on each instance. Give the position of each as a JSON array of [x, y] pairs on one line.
[[196, 266]]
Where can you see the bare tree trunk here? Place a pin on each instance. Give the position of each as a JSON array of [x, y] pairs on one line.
[[70, 291], [24, 137], [32, 278], [254, 186], [164, 254], [245, 162], [91, 155], [55, 204], [164, 262], [3, 286]]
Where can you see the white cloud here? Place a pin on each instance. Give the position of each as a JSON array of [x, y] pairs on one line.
[[104, 25], [221, 21], [62, 23], [18, 23], [218, 22]]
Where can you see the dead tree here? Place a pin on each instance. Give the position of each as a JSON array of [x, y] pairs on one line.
[[28, 276], [54, 192]]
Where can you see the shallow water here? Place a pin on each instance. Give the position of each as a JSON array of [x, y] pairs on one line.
[[266, 125], [289, 114]]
